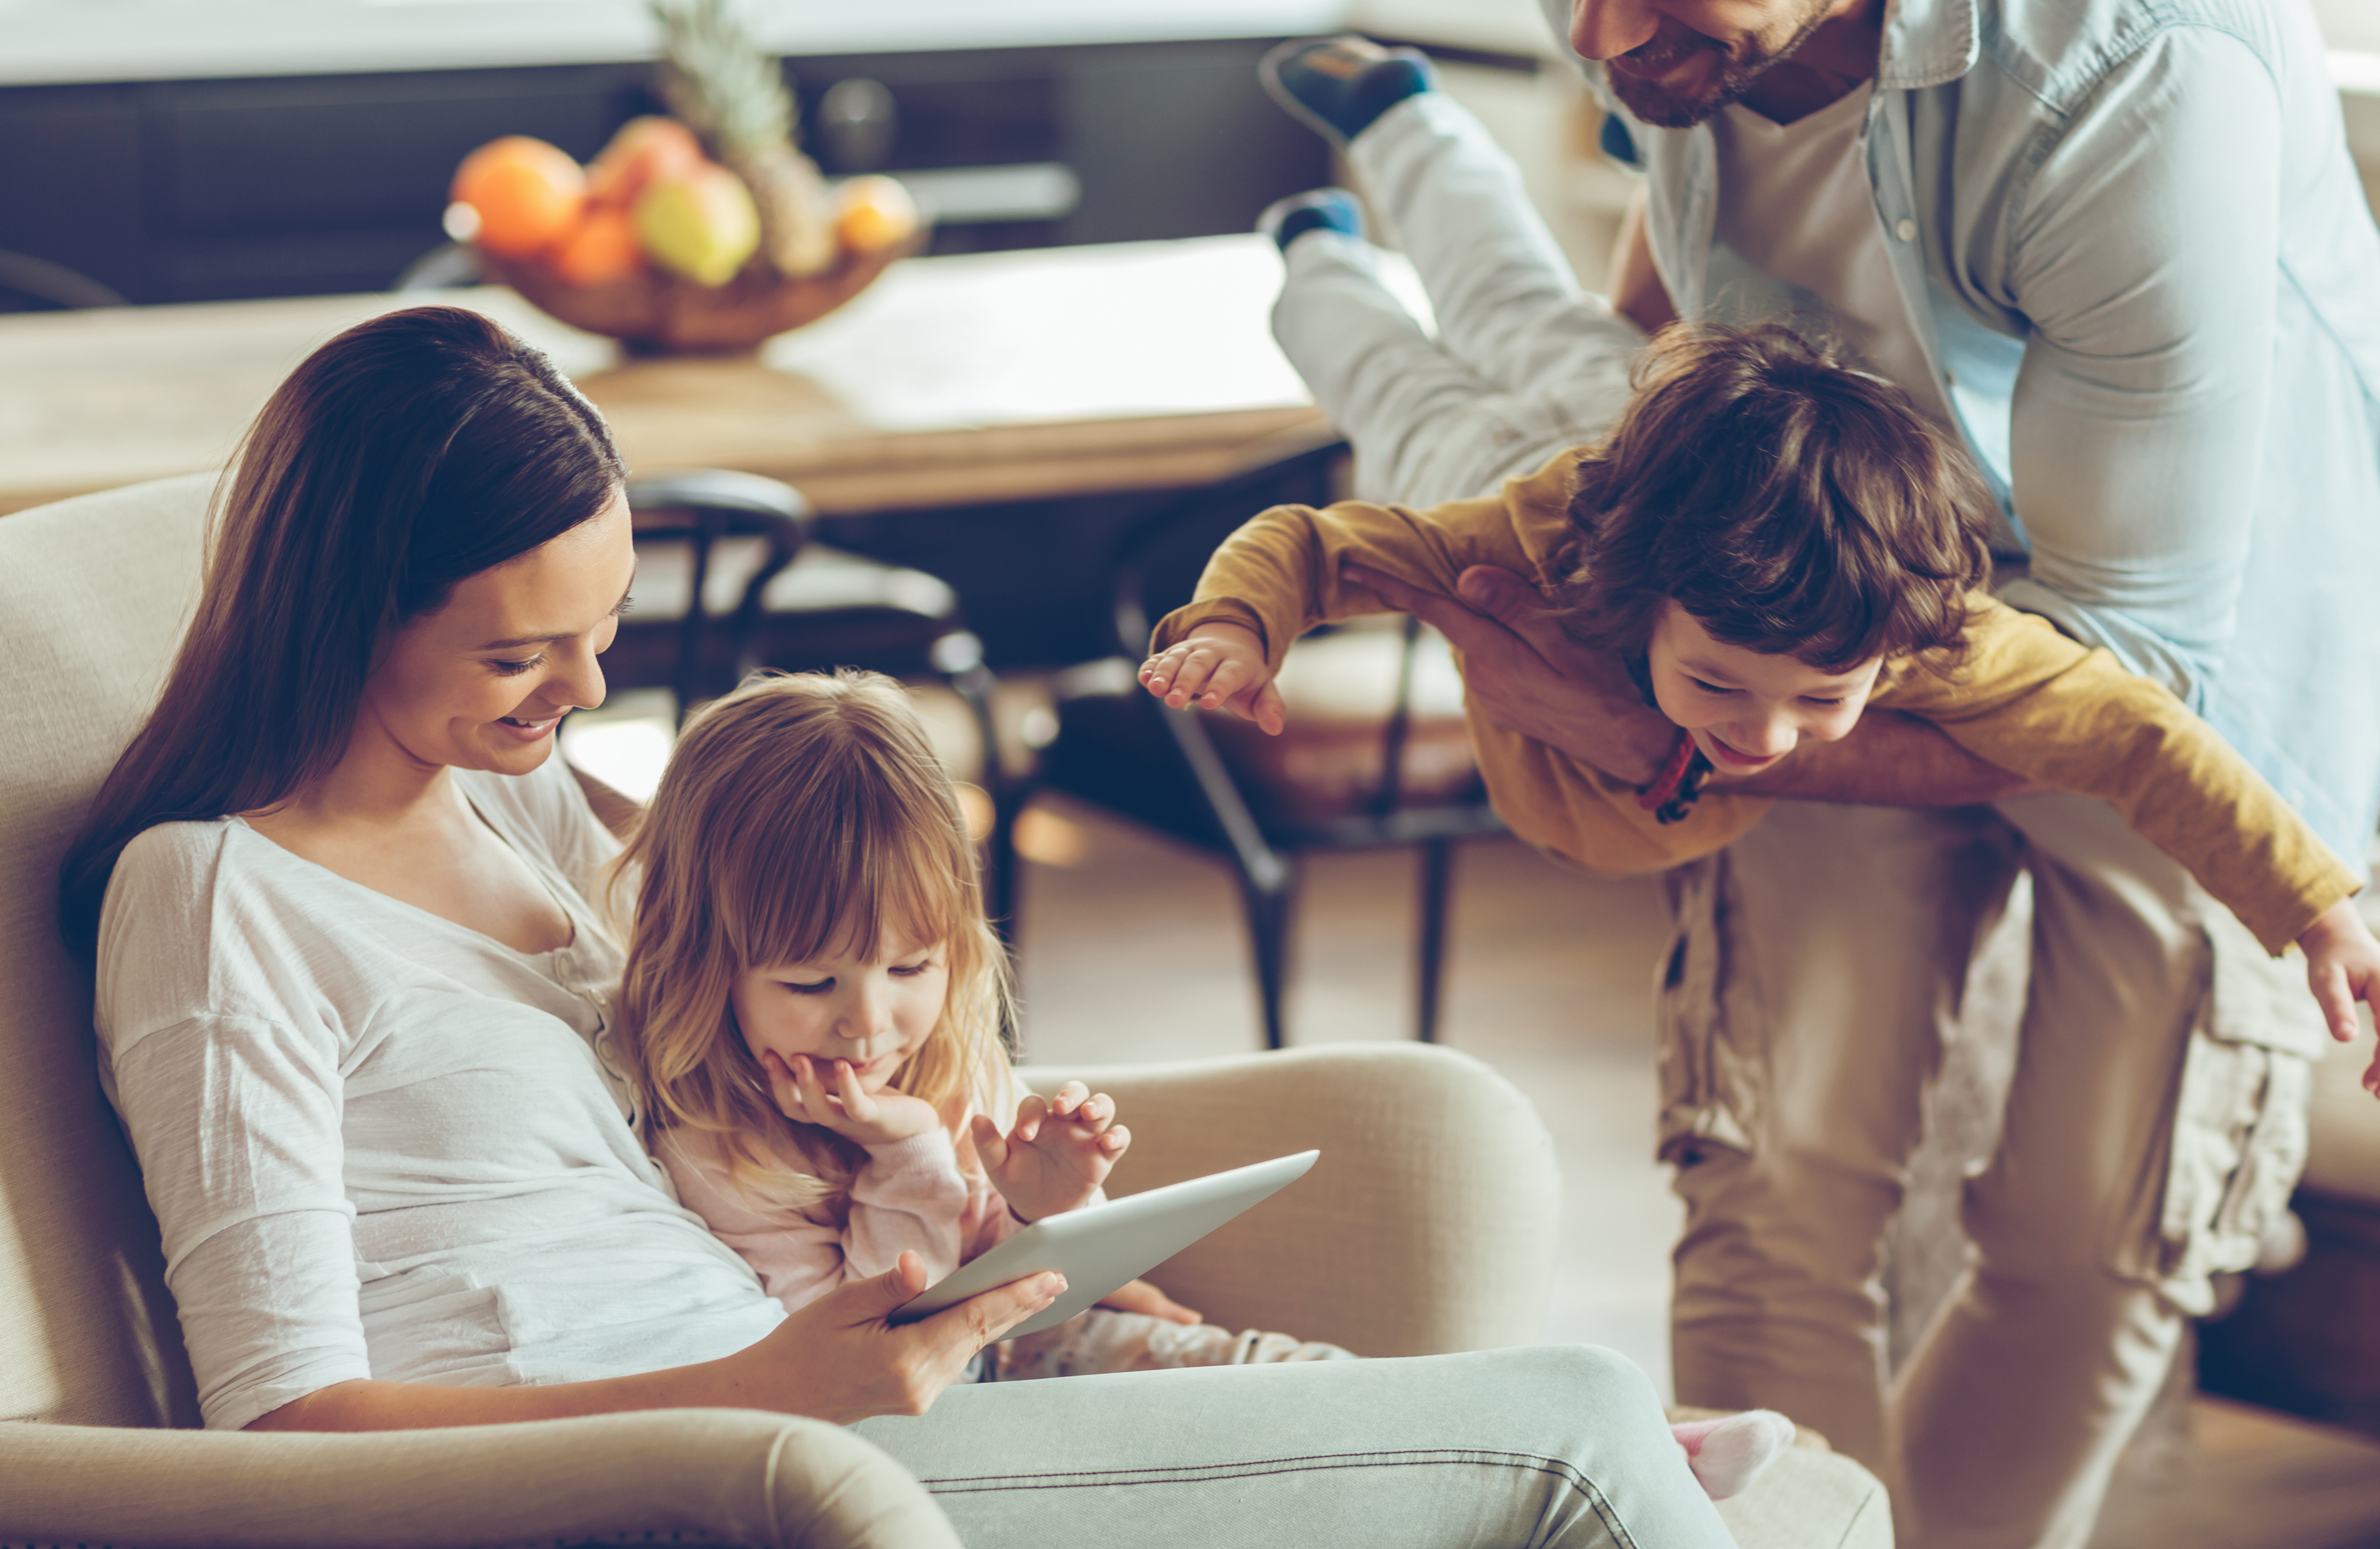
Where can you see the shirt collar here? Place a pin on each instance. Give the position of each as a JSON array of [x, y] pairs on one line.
[[1927, 42]]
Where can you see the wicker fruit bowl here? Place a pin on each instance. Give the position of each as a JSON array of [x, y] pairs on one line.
[[704, 229], [655, 312]]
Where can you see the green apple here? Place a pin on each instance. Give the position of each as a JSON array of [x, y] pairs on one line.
[[701, 224]]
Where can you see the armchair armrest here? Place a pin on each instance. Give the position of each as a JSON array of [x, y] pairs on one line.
[[1427, 1227], [717, 1476]]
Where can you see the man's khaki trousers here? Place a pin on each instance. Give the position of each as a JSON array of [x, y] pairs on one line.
[[2154, 1124]]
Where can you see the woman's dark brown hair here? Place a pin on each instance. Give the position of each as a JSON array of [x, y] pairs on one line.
[[1792, 504], [409, 453]]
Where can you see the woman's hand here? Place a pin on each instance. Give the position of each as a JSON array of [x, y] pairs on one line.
[[2342, 967], [1140, 1296], [839, 1360], [1056, 1155], [803, 1097]]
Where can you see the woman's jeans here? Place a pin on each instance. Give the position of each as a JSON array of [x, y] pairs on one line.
[[1560, 1448]]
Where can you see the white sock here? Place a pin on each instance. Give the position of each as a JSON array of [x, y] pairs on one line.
[[1728, 1455]]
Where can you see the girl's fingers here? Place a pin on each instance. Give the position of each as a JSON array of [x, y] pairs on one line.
[[1098, 1112], [1114, 1141], [1068, 1098], [856, 1100], [1028, 1120]]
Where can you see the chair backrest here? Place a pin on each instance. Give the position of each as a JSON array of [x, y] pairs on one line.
[[696, 511], [94, 595]]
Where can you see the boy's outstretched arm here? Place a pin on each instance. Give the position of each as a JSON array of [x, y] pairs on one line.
[[1219, 666]]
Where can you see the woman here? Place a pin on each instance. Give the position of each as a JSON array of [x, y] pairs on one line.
[[351, 1003]]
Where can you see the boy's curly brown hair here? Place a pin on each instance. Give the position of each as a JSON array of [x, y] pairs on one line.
[[1791, 503]]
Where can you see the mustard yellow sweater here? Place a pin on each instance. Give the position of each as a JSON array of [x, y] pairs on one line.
[[2025, 698]]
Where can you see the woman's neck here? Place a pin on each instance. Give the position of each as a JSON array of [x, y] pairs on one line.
[[376, 784]]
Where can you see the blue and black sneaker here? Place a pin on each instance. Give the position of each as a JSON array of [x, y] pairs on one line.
[[1338, 86], [1286, 220]]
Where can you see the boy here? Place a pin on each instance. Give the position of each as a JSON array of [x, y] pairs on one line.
[[1774, 541]]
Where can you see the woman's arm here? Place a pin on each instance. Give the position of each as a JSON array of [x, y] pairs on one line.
[[835, 1360]]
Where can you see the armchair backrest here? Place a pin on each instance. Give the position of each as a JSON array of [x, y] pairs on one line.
[[94, 595]]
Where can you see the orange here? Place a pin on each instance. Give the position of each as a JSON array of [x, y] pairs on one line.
[[646, 151], [603, 248], [527, 193], [872, 214]]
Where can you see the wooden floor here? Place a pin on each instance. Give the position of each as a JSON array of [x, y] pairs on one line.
[[1133, 950]]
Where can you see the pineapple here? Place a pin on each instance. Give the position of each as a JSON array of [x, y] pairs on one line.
[[719, 83]]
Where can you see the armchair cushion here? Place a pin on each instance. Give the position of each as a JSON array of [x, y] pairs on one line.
[[714, 1476], [1427, 1225]]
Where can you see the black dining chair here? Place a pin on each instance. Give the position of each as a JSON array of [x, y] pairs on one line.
[[1383, 771], [730, 578]]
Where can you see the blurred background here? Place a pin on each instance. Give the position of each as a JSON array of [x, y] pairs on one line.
[[161, 157]]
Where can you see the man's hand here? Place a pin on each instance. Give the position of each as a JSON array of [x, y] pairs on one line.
[[1531, 677], [828, 1093], [1056, 1155], [1220, 666]]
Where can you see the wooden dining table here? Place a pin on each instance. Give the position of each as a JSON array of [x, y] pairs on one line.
[[952, 382]]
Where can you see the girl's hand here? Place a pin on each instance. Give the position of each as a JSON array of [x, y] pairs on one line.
[[839, 1360], [829, 1094], [1140, 1296], [1220, 666], [2343, 966], [1057, 1153]]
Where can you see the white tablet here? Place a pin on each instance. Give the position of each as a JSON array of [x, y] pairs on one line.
[[1101, 1248]]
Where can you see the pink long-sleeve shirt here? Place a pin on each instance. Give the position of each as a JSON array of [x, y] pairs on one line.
[[910, 1194]]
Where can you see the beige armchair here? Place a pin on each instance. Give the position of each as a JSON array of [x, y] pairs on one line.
[[1444, 1166]]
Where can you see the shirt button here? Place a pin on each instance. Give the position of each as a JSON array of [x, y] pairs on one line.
[[1906, 230]]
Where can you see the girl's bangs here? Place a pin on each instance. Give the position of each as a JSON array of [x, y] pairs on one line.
[[875, 879]]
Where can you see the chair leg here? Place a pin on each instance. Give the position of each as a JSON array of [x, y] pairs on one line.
[[1000, 866], [1268, 911], [1437, 885]]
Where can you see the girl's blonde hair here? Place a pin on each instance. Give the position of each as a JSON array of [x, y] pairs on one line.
[[801, 814]]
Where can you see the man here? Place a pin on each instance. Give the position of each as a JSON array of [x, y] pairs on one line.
[[2120, 249]]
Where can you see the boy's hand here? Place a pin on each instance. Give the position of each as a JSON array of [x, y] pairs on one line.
[[1057, 1153], [1140, 1296], [2343, 966], [1220, 666], [815, 1091]]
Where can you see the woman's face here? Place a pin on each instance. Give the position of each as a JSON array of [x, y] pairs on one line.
[[480, 684]]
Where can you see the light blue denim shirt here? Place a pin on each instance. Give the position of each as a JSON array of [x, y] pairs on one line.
[[2145, 274]]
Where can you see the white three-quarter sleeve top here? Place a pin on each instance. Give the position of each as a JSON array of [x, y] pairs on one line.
[[382, 1144]]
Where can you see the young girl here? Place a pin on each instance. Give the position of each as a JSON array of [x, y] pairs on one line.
[[811, 1012], [1773, 542], [812, 1008]]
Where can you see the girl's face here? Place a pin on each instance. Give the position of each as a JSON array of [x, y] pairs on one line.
[[1746, 709], [480, 684], [874, 1012]]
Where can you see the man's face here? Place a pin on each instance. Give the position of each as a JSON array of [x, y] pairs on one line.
[[1674, 63]]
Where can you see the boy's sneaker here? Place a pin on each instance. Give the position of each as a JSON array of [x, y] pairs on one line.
[[1338, 86], [1286, 220]]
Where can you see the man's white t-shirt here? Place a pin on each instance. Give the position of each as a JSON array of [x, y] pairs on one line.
[[1795, 204], [381, 1144]]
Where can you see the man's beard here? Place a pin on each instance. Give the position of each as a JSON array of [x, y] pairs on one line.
[[1739, 67]]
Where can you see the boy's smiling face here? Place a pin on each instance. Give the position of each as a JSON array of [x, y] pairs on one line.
[[1746, 709]]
